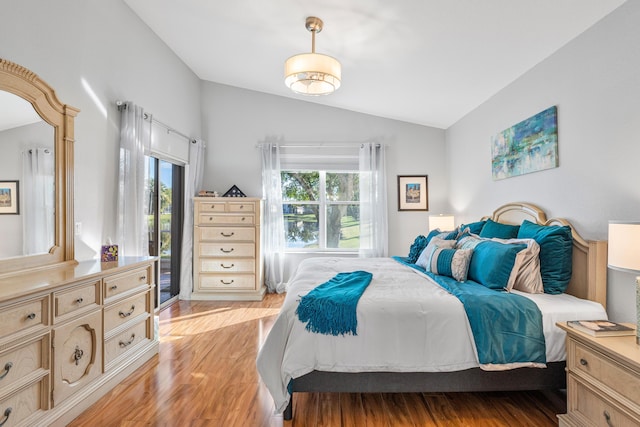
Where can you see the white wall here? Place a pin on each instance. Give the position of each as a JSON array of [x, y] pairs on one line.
[[595, 82], [94, 52], [235, 120]]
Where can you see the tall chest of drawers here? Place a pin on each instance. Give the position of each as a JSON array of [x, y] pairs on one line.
[[603, 380], [227, 259]]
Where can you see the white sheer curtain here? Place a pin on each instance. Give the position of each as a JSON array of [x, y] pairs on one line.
[[135, 139], [193, 173], [373, 201], [273, 242], [38, 169]]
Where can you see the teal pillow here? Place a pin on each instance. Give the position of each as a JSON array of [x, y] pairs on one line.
[[474, 227], [501, 231], [492, 262], [418, 246], [556, 253]]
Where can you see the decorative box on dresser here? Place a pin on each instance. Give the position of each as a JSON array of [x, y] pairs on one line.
[[70, 334], [227, 259], [603, 380]]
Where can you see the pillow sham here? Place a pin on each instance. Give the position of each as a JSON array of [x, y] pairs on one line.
[[451, 262], [525, 275], [424, 260], [492, 261], [502, 231], [556, 253]]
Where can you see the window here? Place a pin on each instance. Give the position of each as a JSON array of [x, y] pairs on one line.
[[321, 210]]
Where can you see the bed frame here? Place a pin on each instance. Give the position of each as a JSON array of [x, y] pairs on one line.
[[589, 281]]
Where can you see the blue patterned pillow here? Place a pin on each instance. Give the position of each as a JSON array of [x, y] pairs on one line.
[[451, 262]]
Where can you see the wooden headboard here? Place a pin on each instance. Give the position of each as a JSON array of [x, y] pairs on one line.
[[589, 276]]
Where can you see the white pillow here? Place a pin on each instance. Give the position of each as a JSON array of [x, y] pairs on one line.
[[424, 260], [525, 275]]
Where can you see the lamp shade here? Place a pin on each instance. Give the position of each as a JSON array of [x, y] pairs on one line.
[[624, 246], [312, 74], [443, 222]]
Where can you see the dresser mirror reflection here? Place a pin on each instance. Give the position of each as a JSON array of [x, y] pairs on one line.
[[36, 178]]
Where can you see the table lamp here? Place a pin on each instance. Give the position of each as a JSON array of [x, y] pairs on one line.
[[624, 255], [442, 221]]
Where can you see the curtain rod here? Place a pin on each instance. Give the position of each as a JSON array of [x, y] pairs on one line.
[[317, 145], [121, 105]]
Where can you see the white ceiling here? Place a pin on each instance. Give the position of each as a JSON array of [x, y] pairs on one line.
[[428, 62]]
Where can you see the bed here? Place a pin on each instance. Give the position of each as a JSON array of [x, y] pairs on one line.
[[401, 347]]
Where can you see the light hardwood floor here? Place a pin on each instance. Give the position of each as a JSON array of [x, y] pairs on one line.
[[205, 376]]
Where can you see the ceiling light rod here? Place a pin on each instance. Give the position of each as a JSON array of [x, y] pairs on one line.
[[312, 73]]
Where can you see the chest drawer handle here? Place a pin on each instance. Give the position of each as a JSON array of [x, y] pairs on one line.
[[607, 417], [7, 412], [584, 362], [77, 355], [226, 251], [226, 235], [226, 283], [31, 316], [79, 300], [7, 368], [129, 313], [128, 343], [227, 266]]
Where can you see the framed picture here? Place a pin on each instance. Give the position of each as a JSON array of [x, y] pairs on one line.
[[413, 194], [9, 198]]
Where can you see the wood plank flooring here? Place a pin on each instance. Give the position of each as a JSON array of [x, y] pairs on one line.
[[205, 375]]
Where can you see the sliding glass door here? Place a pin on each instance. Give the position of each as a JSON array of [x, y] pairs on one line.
[[165, 215]]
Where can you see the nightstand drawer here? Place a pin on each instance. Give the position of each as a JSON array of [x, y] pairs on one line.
[[227, 265], [74, 299], [227, 281], [603, 369], [228, 249], [594, 409], [227, 233]]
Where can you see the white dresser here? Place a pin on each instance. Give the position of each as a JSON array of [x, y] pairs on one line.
[[227, 260]]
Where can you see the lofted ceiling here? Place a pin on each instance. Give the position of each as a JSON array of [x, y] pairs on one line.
[[428, 62]]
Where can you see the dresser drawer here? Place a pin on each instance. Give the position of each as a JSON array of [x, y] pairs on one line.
[[17, 407], [125, 310], [227, 233], [228, 281], [209, 207], [230, 265], [24, 359], [78, 297], [603, 369], [230, 249], [227, 219], [117, 284], [24, 315], [241, 207], [594, 409], [125, 341]]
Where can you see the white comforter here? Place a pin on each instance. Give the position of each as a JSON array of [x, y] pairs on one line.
[[406, 323]]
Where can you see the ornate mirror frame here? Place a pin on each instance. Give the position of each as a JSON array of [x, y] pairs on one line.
[[26, 84]]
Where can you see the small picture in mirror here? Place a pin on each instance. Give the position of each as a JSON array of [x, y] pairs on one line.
[[9, 198]]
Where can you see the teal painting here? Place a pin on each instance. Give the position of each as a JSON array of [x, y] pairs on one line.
[[529, 146]]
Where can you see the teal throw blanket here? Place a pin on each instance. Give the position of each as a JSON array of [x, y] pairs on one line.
[[507, 328], [330, 308]]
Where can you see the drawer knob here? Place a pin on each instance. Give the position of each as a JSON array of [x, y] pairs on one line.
[[584, 362], [227, 235], [31, 316], [129, 313], [79, 300], [7, 412], [114, 287], [243, 218], [141, 278], [127, 343], [607, 417], [226, 283], [227, 266], [210, 218], [7, 368], [226, 251], [77, 355]]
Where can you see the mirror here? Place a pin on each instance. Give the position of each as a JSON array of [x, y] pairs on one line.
[[27, 181], [45, 227]]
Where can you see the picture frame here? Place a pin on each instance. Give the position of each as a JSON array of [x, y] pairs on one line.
[[413, 193], [9, 197]]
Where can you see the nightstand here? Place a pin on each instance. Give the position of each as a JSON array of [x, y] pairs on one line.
[[603, 380]]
